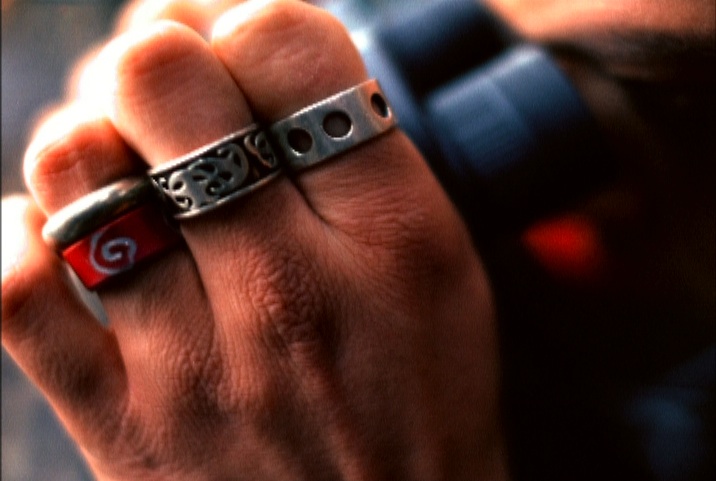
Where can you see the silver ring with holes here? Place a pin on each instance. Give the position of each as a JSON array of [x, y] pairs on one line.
[[333, 125], [217, 173]]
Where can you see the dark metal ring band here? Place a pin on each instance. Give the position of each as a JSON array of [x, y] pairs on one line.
[[93, 211], [333, 125], [217, 173]]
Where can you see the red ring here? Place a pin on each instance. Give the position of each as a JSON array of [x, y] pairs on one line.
[[120, 245]]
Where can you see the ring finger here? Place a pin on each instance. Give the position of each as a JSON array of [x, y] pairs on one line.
[[165, 328]]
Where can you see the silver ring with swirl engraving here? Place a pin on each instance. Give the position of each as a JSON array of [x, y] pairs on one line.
[[96, 209], [333, 125], [217, 173]]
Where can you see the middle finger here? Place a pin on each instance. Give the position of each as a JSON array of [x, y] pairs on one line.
[[167, 94], [173, 95]]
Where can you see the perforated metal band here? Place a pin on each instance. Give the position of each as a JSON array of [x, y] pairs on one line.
[[333, 125]]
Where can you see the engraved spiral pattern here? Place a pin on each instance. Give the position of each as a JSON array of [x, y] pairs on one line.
[[112, 255], [209, 178]]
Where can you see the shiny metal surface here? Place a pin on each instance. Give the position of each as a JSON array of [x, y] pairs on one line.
[[218, 173], [89, 213], [332, 126]]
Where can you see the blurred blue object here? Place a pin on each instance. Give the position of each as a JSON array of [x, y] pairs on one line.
[[674, 416]]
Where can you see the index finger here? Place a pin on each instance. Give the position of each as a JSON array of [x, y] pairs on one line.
[[287, 55]]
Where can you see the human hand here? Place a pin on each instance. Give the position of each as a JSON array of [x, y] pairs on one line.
[[336, 324]]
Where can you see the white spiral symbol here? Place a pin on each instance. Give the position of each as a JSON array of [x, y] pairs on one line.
[[120, 251]]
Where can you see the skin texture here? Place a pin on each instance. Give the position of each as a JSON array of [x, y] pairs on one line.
[[339, 323], [334, 324]]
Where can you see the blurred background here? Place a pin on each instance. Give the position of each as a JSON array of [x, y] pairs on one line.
[[40, 41]]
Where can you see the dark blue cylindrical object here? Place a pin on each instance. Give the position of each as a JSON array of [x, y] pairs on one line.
[[517, 128], [440, 40], [501, 125]]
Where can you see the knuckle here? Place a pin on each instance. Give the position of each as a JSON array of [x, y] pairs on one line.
[[128, 437], [288, 301], [285, 19], [190, 360], [145, 56], [429, 240], [50, 132], [289, 36], [193, 13], [196, 380], [188, 12], [77, 381], [161, 82], [85, 155], [413, 234]]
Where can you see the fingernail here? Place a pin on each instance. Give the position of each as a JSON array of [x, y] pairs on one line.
[[14, 232]]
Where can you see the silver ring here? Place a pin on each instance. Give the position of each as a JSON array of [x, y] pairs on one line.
[[94, 210], [333, 125], [217, 173]]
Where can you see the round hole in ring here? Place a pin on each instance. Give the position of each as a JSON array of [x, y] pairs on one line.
[[380, 106], [337, 124], [299, 140]]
